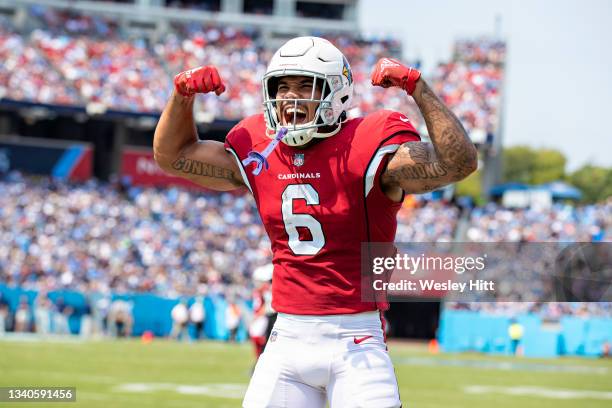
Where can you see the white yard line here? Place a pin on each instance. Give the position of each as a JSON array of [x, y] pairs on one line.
[[501, 365], [82, 376], [228, 390], [543, 392]]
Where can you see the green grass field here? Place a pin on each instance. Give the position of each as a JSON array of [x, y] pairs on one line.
[[127, 373]]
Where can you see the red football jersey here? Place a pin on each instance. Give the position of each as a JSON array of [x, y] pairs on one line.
[[319, 204]]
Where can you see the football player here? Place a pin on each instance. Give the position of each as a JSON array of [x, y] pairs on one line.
[[331, 183], [264, 315]]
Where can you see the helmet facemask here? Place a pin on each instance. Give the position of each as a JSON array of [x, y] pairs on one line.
[[324, 122]]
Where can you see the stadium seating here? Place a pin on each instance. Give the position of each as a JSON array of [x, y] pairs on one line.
[[564, 223], [177, 242], [35, 80], [75, 59]]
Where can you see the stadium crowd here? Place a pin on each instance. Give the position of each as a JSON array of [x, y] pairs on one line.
[[241, 62], [69, 58], [426, 221], [471, 85], [108, 238], [561, 222], [93, 58], [538, 259], [551, 311], [25, 74], [169, 242]]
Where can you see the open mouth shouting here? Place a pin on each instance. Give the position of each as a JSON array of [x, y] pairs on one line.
[[294, 115]]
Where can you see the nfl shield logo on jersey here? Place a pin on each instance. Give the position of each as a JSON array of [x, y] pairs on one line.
[[298, 159]]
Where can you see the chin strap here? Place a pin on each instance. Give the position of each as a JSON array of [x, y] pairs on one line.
[[317, 135], [261, 159], [332, 133]]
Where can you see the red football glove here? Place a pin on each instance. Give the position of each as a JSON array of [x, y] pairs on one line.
[[199, 80], [390, 72]]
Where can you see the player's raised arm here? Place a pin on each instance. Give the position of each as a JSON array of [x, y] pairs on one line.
[[419, 167], [175, 144]]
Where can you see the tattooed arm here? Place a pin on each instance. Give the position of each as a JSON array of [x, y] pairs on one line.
[[179, 152], [420, 167]]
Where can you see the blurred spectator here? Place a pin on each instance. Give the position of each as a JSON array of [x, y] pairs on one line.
[[42, 314], [233, 317], [99, 304], [4, 314], [86, 326], [180, 319], [515, 332], [60, 315], [120, 319], [23, 317], [264, 316], [197, 316]]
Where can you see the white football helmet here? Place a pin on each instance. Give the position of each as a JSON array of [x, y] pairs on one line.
[[317, 58]]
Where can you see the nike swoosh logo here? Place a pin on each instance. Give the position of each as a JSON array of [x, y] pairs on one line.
[[403, 119], [362, 339]]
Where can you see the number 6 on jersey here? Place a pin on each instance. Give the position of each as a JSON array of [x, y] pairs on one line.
[[293, 221]]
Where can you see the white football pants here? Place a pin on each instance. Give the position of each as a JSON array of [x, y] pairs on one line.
[[341, 359]]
